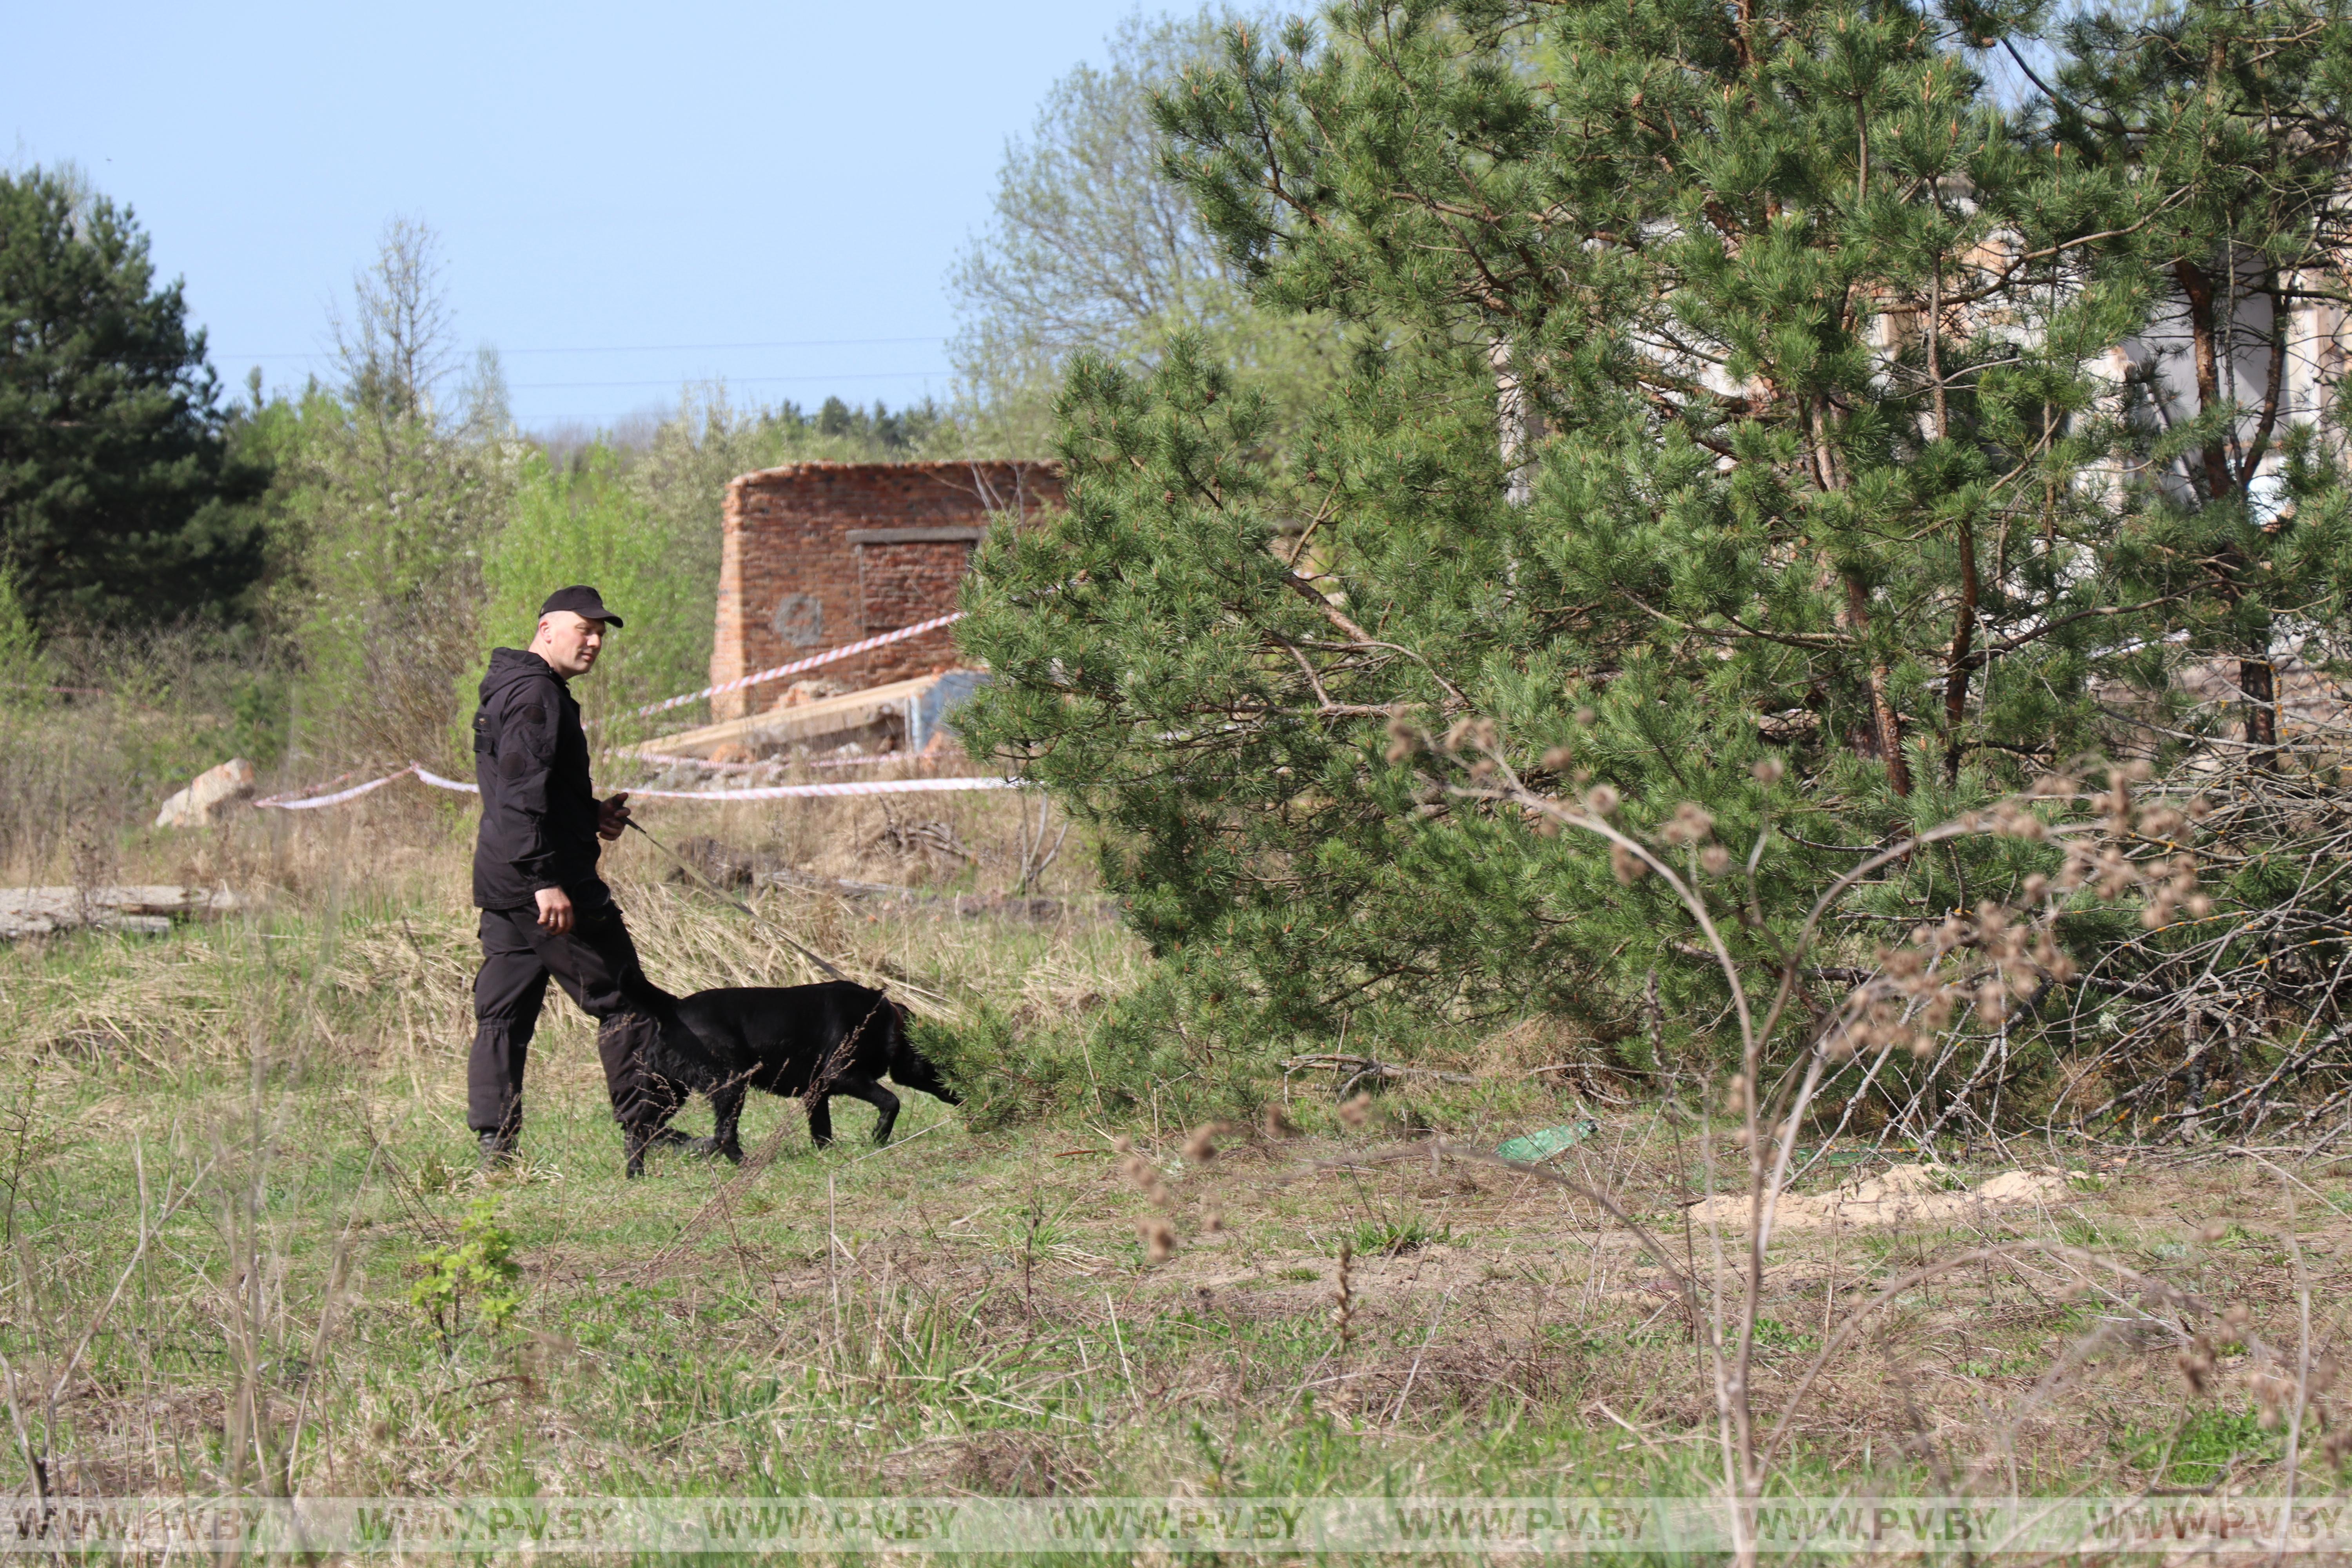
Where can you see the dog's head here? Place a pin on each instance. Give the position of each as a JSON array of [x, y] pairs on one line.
[[909, 1067]]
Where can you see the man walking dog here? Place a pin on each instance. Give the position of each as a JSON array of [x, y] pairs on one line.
[[544, 909]]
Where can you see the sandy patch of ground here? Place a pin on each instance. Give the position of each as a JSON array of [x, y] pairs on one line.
[[1903, 1195]]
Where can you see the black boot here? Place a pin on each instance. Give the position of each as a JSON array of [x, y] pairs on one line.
[[498, 1150]]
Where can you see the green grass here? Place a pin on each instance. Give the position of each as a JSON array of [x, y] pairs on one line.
[[968, 1311], [2203, 1448], [1395, 1237]]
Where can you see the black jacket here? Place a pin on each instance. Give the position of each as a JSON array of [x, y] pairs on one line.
[[538, 811]]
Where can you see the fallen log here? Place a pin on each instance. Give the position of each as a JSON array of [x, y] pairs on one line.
[[43, 911]]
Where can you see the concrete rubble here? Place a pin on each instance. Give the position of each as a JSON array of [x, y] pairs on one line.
[[201, 803], [43, 911]]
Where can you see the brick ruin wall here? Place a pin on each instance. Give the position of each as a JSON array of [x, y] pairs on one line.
[[819, 554]]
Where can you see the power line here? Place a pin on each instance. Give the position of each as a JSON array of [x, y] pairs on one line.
[[634, 348], [738, 380]]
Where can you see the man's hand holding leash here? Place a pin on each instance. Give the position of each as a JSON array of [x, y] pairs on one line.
[[613, 816]]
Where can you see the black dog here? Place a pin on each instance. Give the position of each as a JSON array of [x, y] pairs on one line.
[[840, 1037]]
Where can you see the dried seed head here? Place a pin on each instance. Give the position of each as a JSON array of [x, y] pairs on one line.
[[1273, 1123], [2212, 1231], [2034, 887], [1201, 1147], [2271, 1392], [1768, 771], [1159, 1239], [1558, 757], [1584, 716], [2118, 876], [2238, 1319], [1735, 1095], [1123, 1144], [1212, 1222], [2195, 1363], [1602, 801], [1626, 866], [2014, 819], [1714, 860], [1691, 824], [1357, 1111]]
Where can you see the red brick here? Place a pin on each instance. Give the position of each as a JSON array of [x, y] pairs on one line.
[[793, 582]]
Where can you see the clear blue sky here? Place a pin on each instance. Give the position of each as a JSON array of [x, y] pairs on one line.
[[650, 190]]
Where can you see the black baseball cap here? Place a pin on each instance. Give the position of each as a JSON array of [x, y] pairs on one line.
[[581, 600]]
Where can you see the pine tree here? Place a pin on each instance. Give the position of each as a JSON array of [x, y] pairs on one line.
[[2241, 118], [119, 500], [1736, 431]]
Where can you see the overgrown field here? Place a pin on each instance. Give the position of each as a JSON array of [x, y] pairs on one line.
[[249, 1251]]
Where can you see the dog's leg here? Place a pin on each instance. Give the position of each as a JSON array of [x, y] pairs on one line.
[[819, 1114], [726, 1116], [874, 1095]]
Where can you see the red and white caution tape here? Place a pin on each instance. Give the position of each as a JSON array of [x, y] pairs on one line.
[[664, 759], [283, 799], [280, 804], [847, 650], [437, 782], [807, 791], [769, 791]]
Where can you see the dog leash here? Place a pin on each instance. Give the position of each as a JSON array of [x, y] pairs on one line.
[[696, 872]]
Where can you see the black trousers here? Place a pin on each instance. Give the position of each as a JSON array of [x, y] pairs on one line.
[[596, 964]]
